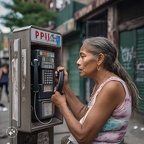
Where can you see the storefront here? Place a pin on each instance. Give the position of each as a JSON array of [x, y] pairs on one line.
[[122, 22]]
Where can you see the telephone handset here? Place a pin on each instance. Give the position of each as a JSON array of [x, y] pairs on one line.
[[43, 83], [35, 87], [61, 81]]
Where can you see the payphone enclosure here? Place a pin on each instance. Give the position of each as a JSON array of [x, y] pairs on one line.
[[35, 53]]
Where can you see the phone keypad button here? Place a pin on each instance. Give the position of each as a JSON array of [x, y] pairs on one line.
[[48, 76]]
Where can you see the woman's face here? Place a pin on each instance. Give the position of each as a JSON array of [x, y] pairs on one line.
[[87, 62]]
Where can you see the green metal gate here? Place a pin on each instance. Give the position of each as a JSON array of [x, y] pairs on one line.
[[140, 66], [74, 77], [131, 56]]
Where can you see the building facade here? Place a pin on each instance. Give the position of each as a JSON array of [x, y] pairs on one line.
[[122, 22]]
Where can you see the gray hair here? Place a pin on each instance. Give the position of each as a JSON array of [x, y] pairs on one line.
[[111, 63]]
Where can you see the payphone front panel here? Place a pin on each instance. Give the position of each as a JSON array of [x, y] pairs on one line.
[[42, 83]]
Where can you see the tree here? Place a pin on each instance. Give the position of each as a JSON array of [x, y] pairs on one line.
[[27, 13]]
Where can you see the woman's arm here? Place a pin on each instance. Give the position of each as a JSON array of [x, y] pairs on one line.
[[108, 99], [77, 107]]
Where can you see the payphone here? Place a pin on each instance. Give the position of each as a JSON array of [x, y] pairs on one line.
[[35, 53]]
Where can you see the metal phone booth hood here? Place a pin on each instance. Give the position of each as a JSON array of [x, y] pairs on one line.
[[35, 54]]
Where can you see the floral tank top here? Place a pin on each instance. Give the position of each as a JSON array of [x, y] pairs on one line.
[[115, 128]]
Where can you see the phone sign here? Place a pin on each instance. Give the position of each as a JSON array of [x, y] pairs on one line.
[[45, 37]]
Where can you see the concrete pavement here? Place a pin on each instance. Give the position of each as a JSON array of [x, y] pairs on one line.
[[134, 135], [135, 132]]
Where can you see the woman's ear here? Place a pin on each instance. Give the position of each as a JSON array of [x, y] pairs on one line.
[[100, 58]]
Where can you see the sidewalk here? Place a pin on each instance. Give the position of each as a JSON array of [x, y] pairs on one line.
[[134, 135], [135, 132]]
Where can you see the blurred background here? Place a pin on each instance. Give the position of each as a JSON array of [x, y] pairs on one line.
[[121, 21]]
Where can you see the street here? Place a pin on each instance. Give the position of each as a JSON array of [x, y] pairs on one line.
[[134, 135]]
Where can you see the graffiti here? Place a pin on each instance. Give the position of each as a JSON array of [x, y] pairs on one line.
[[127, 56]]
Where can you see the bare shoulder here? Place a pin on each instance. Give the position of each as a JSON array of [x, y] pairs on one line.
[[114, 85], [113, 90]]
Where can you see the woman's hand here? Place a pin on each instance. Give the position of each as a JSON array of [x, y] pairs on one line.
[[65, 75], [58, 99]]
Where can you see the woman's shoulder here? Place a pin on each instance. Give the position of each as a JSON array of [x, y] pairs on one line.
[[113, 89], [113, 83], [113, 86]]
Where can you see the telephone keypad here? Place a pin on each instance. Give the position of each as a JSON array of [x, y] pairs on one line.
[[48, 76]]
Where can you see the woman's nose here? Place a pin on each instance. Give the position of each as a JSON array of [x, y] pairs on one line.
[[78, 62]]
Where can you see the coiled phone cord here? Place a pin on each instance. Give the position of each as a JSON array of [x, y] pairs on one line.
[[36, 113]]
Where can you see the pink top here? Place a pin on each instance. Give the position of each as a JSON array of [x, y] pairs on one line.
[[115, 128]]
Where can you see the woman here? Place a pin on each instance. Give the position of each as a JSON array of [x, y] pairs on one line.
[[114, 97]]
